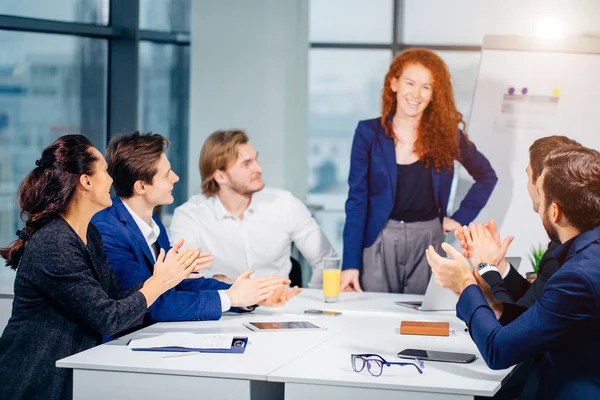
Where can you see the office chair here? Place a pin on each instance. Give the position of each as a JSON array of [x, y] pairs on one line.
[[295, 273]]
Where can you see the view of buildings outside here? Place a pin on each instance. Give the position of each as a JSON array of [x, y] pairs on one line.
[[52, 85]]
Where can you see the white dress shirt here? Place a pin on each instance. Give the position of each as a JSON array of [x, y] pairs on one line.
[[261, 240], [151, 233]]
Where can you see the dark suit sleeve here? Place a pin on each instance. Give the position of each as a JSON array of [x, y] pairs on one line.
[[485, 180], [511, 312], [357, 202], [499, 290], [176, 304], [515, 284], [548, 266], [197, 285], [66, 278], [567, 304]]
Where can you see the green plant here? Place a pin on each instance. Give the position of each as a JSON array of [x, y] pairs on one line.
[[537, 252]]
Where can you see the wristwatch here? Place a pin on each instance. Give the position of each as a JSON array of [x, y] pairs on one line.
[[484, 267]]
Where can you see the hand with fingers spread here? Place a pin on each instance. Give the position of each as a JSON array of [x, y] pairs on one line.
[[203, 262], [452, 273], [247, 291], [496, 305], [176, 265], [349, 280], [462, 241], [485, 246], [281, 296], [170, 270]]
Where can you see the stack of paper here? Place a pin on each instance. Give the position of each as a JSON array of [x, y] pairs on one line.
[[183, 340]]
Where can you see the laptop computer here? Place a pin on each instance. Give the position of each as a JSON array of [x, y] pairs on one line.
[[438, 298], [514, 261]]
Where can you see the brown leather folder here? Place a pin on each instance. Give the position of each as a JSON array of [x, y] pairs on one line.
[[425, 328]]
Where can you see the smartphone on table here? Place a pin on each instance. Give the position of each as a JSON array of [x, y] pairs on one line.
[[434, 355], [323, 312]]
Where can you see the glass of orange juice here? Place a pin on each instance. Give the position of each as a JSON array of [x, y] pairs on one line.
[[332, 272]]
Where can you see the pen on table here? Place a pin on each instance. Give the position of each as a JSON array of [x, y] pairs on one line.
[[182, 355]]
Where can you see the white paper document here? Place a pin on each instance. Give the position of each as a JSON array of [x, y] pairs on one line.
[[530, 114], [183, 339]]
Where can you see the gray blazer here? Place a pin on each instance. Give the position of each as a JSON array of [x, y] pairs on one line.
[[66, 298]]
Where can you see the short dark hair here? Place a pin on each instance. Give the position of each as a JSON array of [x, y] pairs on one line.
[[572, 180], [133, 157], [49, 189], [540, 149]]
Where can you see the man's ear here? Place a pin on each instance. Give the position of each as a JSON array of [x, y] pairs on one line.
[[219, 177], [139, 187], [556, 214]]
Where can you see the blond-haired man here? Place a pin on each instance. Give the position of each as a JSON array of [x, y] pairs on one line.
[[244, 224]]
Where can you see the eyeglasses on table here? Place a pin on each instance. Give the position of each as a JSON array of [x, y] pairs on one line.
[[375, 363]]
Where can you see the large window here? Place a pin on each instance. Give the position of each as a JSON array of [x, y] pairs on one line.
[[163, 104], [165, 15], [55, 60], [84, 11]]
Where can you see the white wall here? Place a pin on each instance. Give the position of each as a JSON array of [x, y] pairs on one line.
[[467, 21], [249, 62]]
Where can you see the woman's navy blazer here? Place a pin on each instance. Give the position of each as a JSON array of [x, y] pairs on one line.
[[372, 192]]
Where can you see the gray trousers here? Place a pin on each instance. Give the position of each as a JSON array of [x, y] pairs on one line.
[[396, 262]]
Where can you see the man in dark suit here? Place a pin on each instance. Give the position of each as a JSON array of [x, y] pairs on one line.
[[507, 284], [562, 326], [133, 236]]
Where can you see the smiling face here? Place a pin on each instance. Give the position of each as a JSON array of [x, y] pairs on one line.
[[99, 182], [158, 192], [244, 175], [414, 90]]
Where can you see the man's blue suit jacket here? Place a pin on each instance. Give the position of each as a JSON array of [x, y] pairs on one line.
[[373, 180], [131, 259], [563, 326]]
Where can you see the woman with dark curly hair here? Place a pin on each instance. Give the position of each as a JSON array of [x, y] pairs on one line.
[[401, 172]]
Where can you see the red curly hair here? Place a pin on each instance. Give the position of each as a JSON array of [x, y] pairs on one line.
[[437, 140]]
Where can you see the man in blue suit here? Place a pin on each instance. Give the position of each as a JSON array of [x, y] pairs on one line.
[[133, 236], [562, 326]]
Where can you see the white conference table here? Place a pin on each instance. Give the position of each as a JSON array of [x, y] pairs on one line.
[[295, 365]]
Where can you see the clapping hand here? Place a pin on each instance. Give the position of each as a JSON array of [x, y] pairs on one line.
[[281, 296], [452, 273], [484, 245]]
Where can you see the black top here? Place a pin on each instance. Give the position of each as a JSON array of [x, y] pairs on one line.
[[66, 298], [516, 292], [414, 194]]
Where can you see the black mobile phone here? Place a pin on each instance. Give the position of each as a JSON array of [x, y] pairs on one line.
[[323, 312], [434, 355]]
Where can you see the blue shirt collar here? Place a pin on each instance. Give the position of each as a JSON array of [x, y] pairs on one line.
[[576, 244]]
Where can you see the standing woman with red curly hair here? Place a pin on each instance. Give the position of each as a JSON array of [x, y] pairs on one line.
[[401, 171]]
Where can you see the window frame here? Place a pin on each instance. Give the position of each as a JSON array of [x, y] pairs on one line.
[[123, 36]]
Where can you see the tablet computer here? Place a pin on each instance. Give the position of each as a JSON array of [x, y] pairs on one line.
[[283, 326]]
